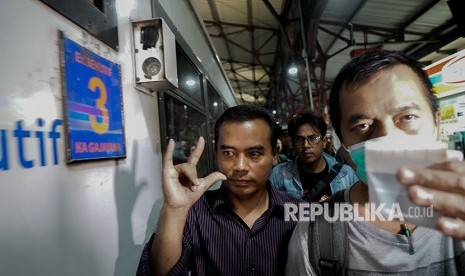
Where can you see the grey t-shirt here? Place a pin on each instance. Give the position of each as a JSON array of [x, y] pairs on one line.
[[374, 251]]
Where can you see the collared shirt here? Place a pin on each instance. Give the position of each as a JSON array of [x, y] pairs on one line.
[[285, 177], [218, 242]]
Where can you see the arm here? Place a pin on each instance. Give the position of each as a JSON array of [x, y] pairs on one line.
[[181, 189], [443, 187]]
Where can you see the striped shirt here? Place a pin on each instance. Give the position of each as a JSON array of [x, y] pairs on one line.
[[217, 241]]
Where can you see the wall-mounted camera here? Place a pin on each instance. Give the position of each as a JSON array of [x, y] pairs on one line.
[[155, 55]]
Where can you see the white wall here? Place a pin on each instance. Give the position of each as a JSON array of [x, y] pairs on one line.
[[80, 219]]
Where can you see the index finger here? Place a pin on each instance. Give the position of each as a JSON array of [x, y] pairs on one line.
[[195, 155], [455, 166], [168, 158], [447, 181]]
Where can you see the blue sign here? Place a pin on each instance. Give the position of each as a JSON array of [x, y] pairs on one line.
[[94, 108]]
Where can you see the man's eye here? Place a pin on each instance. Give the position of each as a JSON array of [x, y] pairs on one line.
[[255, 154], [362, 128], [408, 118], [227, 153]]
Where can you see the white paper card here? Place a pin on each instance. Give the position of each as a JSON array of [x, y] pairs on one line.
[[384, 157]]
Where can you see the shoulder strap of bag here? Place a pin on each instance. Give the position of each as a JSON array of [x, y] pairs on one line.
[[328, 242], [319, 187], [333, 172]]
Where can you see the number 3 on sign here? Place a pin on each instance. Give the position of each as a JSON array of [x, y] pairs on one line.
[[102, 127]]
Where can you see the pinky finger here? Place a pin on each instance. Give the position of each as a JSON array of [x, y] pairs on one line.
[[168, 158]]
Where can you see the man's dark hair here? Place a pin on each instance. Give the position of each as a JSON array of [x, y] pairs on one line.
[[279, 132], [244, 113], [362, 68], [307, 118]]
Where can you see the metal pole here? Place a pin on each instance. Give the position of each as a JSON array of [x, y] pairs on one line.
[[305, 54]]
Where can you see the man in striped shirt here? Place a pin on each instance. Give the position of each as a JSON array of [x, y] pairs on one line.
[[238, 229]]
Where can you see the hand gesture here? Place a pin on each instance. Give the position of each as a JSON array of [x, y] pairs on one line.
[[443, 187], [181, 186]]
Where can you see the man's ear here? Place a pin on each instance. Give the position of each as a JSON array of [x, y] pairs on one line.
[[437, 117], [277, 149], [275, 152], [437, 121]]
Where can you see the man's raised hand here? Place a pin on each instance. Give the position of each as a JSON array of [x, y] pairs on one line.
[[441, 186], [181, 186]]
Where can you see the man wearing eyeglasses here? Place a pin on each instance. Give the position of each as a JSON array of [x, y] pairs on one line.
[[312, 175]]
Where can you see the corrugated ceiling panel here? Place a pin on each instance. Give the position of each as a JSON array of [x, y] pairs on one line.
[[340, 10], [435, 17], [237, 11], [203, 9], [232, 11], [262, 16], [388, 14]]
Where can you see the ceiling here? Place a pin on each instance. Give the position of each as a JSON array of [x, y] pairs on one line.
[[258, 40]]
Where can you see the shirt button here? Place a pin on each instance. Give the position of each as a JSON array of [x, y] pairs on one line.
[[251, 267]]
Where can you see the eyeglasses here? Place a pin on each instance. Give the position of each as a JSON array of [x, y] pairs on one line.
[[312, 140]]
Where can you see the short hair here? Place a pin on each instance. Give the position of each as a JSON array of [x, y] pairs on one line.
[[307, 118], [362, 68], [244, 113]]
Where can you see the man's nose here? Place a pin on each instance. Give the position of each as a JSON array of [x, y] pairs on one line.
[[380, 131], [306, 143], [241, 163], [385, 128]]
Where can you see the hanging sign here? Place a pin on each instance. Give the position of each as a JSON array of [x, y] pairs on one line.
[[448, 75], [93, 106]]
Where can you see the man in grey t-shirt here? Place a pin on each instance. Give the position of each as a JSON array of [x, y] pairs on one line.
[[380, 94]]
